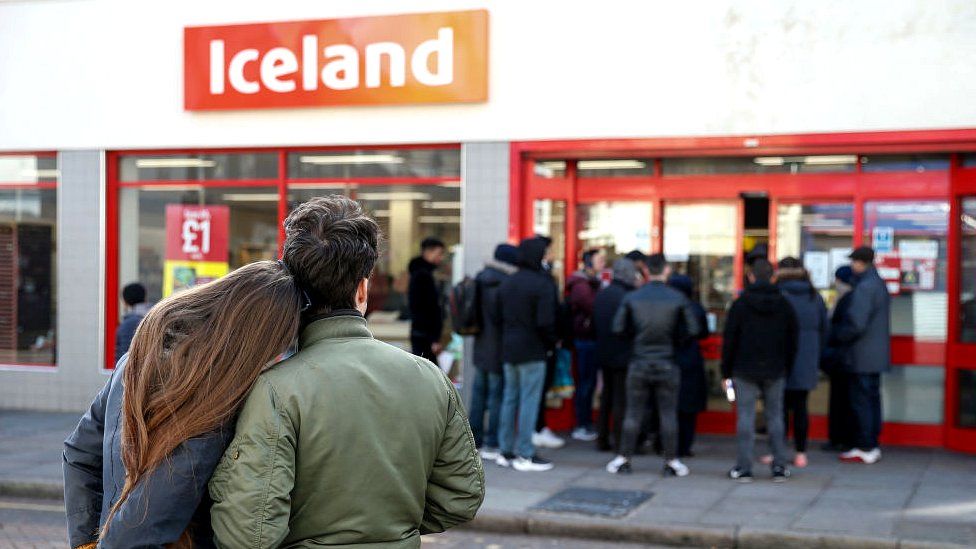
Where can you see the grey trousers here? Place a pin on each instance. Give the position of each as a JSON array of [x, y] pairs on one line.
[[747, 392], [662, 382]]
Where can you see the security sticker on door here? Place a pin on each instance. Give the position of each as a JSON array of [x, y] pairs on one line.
[[883, 239]]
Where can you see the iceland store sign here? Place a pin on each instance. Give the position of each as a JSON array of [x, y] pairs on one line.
[[387, 60]]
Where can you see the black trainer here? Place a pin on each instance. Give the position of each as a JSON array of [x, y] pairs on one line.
[[738, 475], [780, 473]]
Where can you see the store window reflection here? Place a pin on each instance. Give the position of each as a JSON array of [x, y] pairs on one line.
[[967, 293], [909, 239], [406, 215], [549, 219], [28, 246], [155, 220], [820, 235], [615, 227]]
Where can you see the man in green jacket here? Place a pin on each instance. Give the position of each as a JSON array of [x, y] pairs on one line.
[[349, 442]]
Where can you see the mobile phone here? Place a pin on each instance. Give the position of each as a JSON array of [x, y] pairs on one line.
[[729, 390]]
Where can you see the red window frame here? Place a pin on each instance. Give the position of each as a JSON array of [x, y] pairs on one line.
[[7, 185], [857, 187], [280, 183]]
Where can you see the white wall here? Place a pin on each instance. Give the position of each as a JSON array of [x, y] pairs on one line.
[[108, 74]]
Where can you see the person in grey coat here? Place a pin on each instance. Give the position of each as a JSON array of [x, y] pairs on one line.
[[867, 331], [811, 316]]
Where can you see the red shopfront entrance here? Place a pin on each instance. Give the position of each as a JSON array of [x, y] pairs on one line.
[[707, 202]]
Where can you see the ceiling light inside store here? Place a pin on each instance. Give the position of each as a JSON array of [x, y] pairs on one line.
[[174, 163], [171, 188], [323, 186], [443, 205], [450, 184], [393, 196], [353, 159], [611, 164], [381, 213], [38, 173], [819, 160], [250, 197], [435, 219]]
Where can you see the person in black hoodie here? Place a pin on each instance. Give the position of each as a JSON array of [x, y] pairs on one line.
[[693, 393], [488, 384], [613, 353], [426, 310], [840, 417], [758, 350], [528, 335]]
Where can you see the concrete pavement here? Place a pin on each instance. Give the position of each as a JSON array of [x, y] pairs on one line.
[[912, 498]]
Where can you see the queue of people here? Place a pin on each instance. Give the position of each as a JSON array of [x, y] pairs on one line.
[[637, 333]]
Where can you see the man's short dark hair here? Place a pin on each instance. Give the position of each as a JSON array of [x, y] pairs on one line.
[[588, 256], [431, 243], [656, 263], [330, 246], [134, 294], [762, 270]]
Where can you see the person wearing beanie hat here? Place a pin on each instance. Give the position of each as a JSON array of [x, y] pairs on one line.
[[840, 418], [613, 353], [488, 383]]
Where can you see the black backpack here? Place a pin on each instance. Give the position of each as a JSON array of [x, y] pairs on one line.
[[466, 307]]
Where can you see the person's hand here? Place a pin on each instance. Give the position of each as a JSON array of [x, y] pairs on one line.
[[437, 348]]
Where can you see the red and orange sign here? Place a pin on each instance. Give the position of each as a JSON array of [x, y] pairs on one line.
[[387, 60]]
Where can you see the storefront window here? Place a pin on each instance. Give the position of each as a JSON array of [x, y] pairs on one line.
[[198, 167], [909, 240], [615, 227], [759, 164], [399, 163], [967, 398], [550, 220], [28, 260], [905, 162], [172, 237], [549, 169], [820, 235], [967, 271], [620, 167], [914, 394]]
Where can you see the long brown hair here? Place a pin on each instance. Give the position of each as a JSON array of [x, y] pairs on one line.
[[193, 360]]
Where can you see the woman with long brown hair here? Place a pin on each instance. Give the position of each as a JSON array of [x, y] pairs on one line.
[[137, 465]]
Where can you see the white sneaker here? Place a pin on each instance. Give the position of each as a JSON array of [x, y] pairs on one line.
[[619, 465], [547, 439], [489, 454], [531, 465], [504, 460], [855, 455], [584, 434], [676, 468]]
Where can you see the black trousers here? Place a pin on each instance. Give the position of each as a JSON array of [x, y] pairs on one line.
[[423, 347], [866, 404], [644, 382], [840, 416], [613, 406], [687, 422], [795, 402]]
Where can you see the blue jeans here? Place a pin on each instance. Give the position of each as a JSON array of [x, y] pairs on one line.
[[520, 407], [865, 395], [486, 391], [586, 384], [747, 392]]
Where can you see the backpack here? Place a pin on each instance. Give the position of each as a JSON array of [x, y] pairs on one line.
[[466, 307]]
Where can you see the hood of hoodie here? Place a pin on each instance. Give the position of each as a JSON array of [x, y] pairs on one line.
[[763, 298], [530, 253], [581, 277], [420, 264], [501, 266], [796, 287]]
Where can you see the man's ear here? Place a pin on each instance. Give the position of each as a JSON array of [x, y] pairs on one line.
[[362, 294]]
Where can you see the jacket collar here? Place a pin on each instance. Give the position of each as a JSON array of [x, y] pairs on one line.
[[338, 324]]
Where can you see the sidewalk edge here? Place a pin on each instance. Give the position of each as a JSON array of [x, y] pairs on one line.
[[37, 489]]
